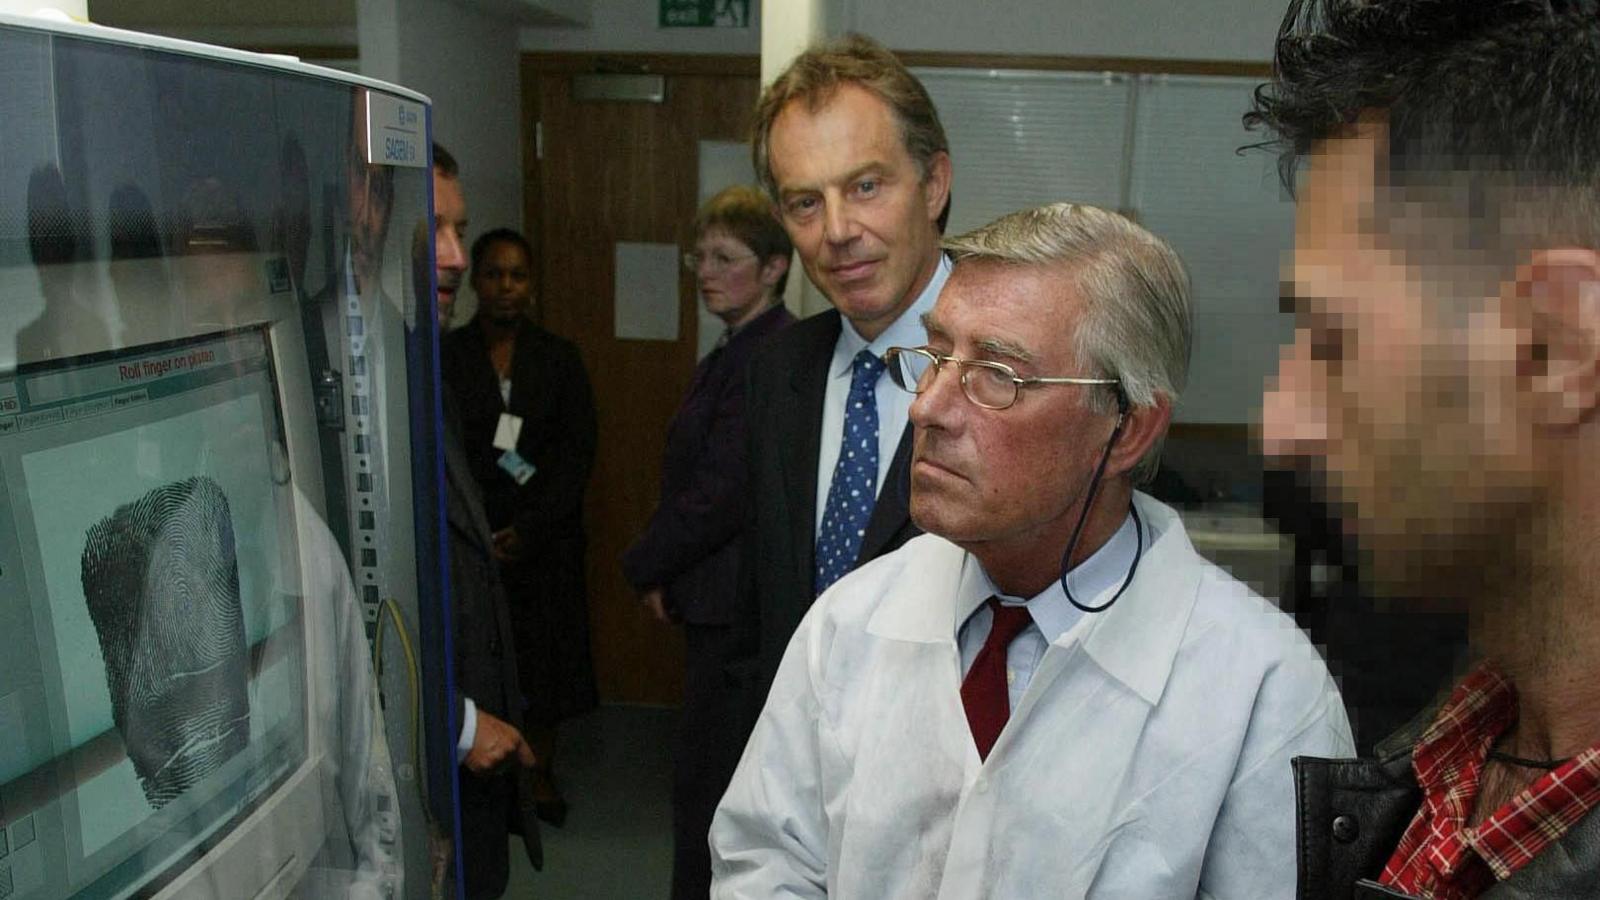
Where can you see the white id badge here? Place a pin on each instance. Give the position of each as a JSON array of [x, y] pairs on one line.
[[506, 433]]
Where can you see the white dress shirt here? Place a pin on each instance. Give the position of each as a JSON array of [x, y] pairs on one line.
[[894, 403], [1148, 757], [469, 729]]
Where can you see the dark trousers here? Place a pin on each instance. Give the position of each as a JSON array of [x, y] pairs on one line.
[[485, 851], [709, 742]]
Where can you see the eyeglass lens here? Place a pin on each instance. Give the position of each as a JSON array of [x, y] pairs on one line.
[[715, 261], [984, 385]]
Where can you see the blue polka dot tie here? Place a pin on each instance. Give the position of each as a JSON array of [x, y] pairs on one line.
[[855, 477]]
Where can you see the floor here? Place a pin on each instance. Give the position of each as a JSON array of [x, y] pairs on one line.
[[614, 767]]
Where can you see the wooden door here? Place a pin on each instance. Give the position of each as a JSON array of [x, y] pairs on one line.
[[599, 173]]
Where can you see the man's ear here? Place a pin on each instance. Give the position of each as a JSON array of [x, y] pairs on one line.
[[1142, 428], [936, 184], [1558, 354], [773, 269]]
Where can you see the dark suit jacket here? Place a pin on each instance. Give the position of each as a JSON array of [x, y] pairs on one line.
[[690, 547], [783, 411], [547, 588], [485, 665], [486, 668], [550, 391]]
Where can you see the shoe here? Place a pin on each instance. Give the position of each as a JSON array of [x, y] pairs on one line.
[[552, 811], [548, 804]]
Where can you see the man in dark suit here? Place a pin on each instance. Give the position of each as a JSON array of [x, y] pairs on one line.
[[488, 701], [851, 149]]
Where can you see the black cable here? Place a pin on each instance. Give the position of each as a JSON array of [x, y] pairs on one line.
[[1526, 763], [1088, 503]]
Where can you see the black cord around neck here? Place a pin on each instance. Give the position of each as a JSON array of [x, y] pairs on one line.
[[1077, 531], [1526, 763]]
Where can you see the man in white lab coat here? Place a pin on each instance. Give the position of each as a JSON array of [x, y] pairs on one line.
[[1049, 694]]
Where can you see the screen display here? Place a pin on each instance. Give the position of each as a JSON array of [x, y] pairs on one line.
[[147, 564]]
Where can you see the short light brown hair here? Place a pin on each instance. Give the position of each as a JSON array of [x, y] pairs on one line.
[[818, 73], [1138, 319], [745, 214]]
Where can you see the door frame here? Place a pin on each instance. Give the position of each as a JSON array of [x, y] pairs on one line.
[[544, 76], [533, 65]]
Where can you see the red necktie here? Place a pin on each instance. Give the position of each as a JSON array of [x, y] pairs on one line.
[[985, 692]]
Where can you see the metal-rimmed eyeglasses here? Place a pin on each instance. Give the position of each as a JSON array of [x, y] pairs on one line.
[[991, 385], [715, 261]]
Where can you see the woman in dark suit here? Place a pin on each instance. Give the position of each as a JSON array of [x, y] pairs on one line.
[[528, 423], [685, 564]]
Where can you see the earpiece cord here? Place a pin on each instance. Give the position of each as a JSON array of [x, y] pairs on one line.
[[1077, 532]]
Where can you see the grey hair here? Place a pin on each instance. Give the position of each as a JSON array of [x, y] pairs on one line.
[[1138, 322]]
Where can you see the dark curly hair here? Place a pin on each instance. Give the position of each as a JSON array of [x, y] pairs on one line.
[[1484, 104], [499, 236]]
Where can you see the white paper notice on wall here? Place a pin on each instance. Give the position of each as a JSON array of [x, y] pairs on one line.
[[645, 307]]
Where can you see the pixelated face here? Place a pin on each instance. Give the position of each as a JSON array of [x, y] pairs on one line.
[[1400, 395], [503, 281], [1005, 477], [856, 205], [449, 230]]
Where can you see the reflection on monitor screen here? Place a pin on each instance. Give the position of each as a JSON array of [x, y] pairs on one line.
[[147, 559]]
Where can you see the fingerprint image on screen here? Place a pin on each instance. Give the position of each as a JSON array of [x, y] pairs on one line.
[[161, 583]]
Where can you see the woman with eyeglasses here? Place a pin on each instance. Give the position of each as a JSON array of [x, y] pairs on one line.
[[685, 564], [528, 422]]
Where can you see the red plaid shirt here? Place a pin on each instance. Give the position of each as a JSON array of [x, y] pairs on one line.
[[1441, 857]]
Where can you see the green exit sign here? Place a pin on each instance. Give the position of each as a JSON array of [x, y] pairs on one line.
[[705, 13]]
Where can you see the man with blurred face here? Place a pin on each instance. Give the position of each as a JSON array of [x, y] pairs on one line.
[[1441, 391], [850, 148], [489, 704], [1050, 694]]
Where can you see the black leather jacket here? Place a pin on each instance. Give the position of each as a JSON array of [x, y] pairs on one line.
[[1352, 812]]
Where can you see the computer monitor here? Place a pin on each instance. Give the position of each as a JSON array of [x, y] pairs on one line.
[[148, 559], [159, 689], [217, 477]]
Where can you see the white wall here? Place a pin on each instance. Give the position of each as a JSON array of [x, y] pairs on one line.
[[467, 62], [1198, 29]]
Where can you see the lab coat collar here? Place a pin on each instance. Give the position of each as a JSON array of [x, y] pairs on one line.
[[1094, 581], [1136, 641]]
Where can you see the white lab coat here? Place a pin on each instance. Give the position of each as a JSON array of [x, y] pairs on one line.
[[1149, 758]]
